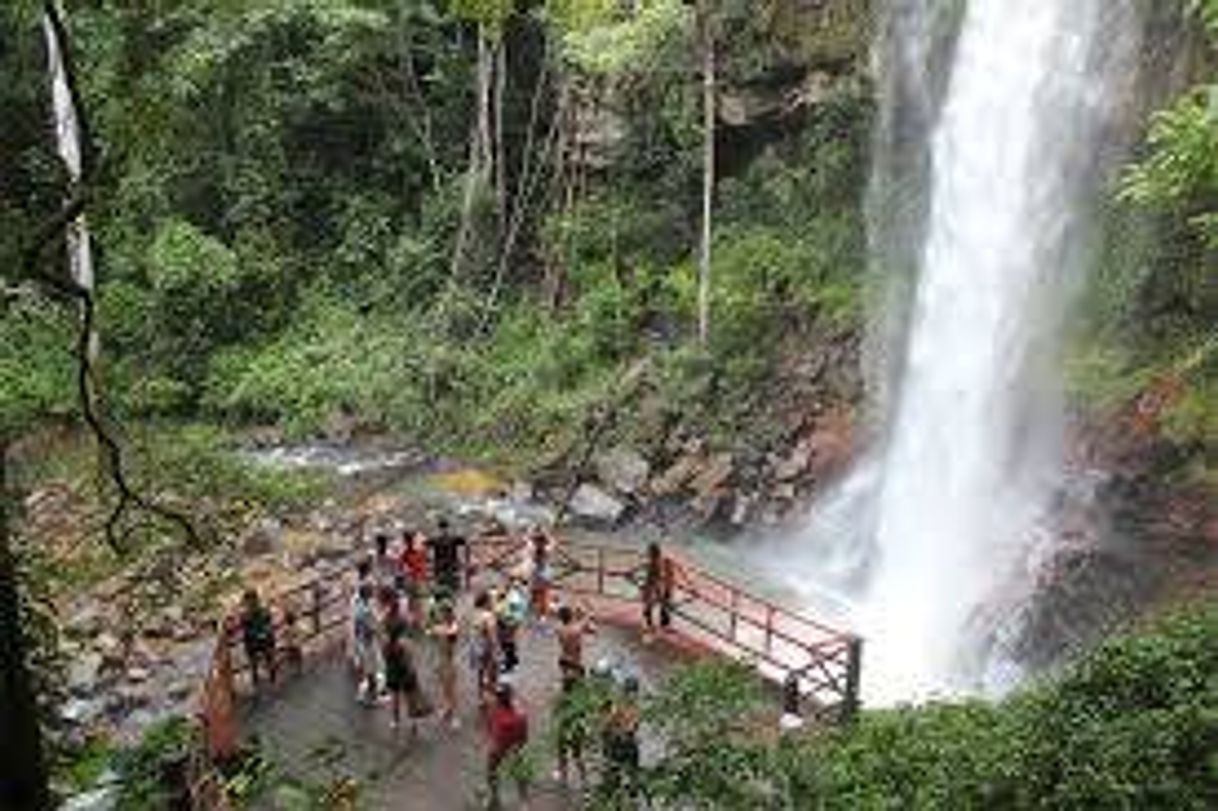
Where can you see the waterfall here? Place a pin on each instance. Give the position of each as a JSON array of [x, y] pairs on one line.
[[995, 142], [67, 142]]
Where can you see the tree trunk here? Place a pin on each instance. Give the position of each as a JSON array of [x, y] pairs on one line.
[[708, 168], [24, 780], [500, 143]]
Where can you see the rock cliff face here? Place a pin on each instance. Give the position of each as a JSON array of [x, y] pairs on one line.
[[815, 49], [662, 461]]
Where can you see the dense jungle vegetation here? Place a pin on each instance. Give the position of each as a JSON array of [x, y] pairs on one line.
[[474, 224], [460, 222]]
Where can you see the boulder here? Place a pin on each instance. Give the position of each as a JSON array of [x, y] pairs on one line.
[[595, 505], [84, 673], [714, 475], [623, 470], [81, 712], [797, 464], [138, 675], [264, 538], [674, 480], [89, 620]]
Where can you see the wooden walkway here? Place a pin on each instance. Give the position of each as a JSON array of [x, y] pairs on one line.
[[317, 732]]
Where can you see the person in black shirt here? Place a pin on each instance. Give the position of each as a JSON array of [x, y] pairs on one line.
[[258, 635], [446, 558]]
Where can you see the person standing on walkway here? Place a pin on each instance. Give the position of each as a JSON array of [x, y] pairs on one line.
[[413, 568], [446, 550], [482, 647], [571, 728], [621, 743], [510, 614], [401, 677], [383, 565], [364, 633], [508, 730], [574, 625], [258, 636], [659, 580], [447, 633], [541, 573]]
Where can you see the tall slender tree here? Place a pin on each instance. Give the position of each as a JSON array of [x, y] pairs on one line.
[[706, 38]]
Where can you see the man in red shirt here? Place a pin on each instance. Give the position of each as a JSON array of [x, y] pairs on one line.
[[508, 730]]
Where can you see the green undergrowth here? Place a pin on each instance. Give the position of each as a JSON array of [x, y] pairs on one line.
[[1133, 725]]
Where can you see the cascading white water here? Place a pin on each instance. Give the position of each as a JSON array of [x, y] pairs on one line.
[[946, 515], [67, 142]]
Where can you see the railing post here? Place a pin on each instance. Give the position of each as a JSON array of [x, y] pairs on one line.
[[315, 609], [600, 570], [854, 674], [735, 608], [769, 629]]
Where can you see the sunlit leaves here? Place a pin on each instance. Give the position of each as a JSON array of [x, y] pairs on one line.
[[491, 15], [604, 44], [1183, 159]]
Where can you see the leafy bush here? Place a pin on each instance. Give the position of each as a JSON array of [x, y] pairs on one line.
[[163, 749], [1133, 725]]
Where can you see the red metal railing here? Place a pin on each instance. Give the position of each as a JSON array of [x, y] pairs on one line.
[[825, 662]]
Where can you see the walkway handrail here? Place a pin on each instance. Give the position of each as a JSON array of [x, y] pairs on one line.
[[706, 608]]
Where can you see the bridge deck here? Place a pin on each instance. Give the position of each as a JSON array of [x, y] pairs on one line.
[[317, 732]]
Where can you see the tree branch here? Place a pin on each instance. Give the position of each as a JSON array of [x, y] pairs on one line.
[[30, 269]]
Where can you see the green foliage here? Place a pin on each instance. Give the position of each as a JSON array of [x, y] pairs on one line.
[[283, 183], [197, 464], [37, 367], [708, 716], [606, 44], [143, 767], [1133, 725], [1182, 164]]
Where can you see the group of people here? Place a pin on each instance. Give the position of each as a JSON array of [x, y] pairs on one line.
[[410, 589]]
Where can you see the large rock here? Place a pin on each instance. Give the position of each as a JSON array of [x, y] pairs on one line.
[[714, 475], [82, 712], [593, 504], [84, 673], [623, 470], [264, 538], [674, 480], [796, 464]]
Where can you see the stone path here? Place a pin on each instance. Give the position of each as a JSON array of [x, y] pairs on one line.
[[315, 731]]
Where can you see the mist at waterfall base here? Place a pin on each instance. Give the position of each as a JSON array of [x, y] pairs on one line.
[[930, 547]]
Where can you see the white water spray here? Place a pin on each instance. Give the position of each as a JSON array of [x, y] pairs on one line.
[[946, 516]]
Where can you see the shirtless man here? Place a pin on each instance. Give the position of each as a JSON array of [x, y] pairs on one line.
[[574, 625]]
